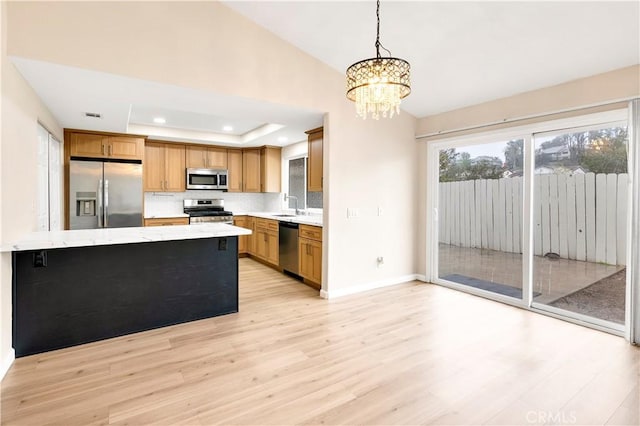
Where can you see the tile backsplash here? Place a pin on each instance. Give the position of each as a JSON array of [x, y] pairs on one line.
[[168, 203]]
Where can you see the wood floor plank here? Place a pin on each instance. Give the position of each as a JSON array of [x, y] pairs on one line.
[[408, 354], [628, 413]]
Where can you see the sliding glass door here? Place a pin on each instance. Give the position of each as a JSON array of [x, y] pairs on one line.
[[580, 228], [539, 219], [480, 217]]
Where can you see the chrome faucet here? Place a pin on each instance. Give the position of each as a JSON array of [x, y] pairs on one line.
[[287, 197]]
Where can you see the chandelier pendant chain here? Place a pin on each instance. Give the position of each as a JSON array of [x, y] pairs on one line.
[[378, 30]]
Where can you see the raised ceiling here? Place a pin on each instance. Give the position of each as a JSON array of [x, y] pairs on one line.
[[129, 105], [463, 53]]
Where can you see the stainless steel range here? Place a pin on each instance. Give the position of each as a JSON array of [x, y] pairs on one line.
[[207, 211]]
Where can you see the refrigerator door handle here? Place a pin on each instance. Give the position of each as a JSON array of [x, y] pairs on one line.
[[100, 207], [106, 203]]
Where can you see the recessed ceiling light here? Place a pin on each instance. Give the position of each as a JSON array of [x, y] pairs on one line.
[[159, 120], [227, 128], [283, 139]]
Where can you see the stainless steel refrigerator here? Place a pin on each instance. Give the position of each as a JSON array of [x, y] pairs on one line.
[[104, 194]]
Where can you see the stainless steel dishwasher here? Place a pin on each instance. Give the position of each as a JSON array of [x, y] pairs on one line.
[[288, 246]]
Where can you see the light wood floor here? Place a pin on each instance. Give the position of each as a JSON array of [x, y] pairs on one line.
[[408, 354]]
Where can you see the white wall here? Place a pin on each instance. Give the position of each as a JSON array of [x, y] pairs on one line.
[[6, 352], [21, 111]]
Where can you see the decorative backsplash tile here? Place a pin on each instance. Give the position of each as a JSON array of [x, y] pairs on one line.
[[169, 203]]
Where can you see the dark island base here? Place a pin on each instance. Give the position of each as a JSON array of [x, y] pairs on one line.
[[85, 294]]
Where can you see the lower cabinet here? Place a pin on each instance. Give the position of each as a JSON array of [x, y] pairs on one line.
[[243, 240], [166, 221], [266, 240], [310, 253], [251, 239], [264, 244]]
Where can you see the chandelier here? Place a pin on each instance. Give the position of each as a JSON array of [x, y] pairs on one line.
[[378, 84]]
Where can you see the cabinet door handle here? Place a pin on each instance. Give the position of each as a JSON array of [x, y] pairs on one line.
[[165, 185], [102, 149], [110, 150]]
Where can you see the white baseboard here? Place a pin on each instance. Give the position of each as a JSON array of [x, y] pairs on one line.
[[332, 294], [6, 363], [421, 277]]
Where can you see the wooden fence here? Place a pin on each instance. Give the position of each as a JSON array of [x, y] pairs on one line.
[[581, 217]]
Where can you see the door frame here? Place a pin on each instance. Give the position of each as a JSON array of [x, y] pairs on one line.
[[527, 132]]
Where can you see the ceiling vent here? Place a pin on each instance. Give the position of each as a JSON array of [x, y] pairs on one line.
[[93, 115]]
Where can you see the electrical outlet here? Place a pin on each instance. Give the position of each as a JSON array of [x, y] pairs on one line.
[[352, 212], [380, 261], [380, 211]]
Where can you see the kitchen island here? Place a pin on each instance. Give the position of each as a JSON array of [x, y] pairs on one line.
[[74, 287]]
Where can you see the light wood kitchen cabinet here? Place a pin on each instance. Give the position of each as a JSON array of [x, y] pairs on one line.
[[314, 161], [125, 147], [251, 239], [164, 167], [95, 145], [267, 245], [203, 157], [270, 169], [310, 253], [243, 241], [234, 165], [166, 221], [251, 170], [88, 145]]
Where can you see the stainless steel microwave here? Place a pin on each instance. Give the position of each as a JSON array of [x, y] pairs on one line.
[[207, 179]]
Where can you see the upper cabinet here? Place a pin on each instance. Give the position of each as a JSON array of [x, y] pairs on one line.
[[164, 167], [255, 169], [251, 170], [204, 157], [234, 165], [92, 145], [314, 162], [270, 169]]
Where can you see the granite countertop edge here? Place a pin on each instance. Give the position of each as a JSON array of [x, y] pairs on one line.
[[112, 236]]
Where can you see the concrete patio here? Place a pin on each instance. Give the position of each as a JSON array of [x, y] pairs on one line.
[[553, 279]]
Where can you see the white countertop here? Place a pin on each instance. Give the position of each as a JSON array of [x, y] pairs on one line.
[[110, 236], [314, 220]]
